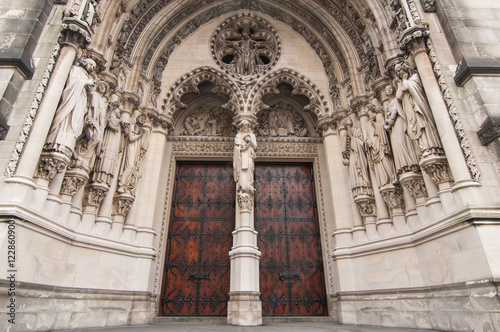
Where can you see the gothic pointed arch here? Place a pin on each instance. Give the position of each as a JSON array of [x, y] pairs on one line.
[[198, 85]]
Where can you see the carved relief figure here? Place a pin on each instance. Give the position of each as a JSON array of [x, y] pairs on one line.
[[89, 142], [136, 144], [108, 156], [68, 121], [354, 156], [379, 151], [203, 122], [405, 150], [419, 121], [245, 55], [282, 121], [245, 145]]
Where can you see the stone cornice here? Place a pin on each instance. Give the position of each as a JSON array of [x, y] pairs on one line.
[[29, 219], [467, 217], [469, 67]]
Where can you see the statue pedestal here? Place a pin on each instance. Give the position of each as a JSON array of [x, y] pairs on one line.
[[244, 309]]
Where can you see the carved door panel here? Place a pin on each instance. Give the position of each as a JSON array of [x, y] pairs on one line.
[[291, 269], [196, 276]]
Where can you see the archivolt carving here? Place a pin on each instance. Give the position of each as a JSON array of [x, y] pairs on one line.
[[189, 83], [300, 86]]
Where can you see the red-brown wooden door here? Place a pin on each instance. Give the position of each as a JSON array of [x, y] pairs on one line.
[[196, 276], [291, 268]]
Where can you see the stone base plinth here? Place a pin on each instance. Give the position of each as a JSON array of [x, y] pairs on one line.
[[244, 309]]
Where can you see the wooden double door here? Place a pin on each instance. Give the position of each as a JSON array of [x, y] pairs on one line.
[[196, 275]]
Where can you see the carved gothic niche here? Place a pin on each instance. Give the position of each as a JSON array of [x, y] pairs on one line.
[[245, 46], [285, 118], [205, 117], [288, 90], [198, 85]]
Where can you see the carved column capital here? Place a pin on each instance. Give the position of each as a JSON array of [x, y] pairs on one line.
[[122, 204], [74, 179], [393, 196], [161, 122], [414, 38], [366, 205], [328, 124], [415, 184], [50, 164], [245, 201], [379, 88], [358, 104], [94, 194], [438, 169]]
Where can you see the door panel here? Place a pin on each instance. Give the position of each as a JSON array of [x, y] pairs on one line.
[[196, 276], [291, 269]]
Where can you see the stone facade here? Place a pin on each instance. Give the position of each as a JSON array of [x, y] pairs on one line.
[[393, 103]]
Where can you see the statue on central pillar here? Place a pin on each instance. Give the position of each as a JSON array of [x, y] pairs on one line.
[[245, 144], [244, 306]]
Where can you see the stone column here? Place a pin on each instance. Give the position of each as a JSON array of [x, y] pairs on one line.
[[338, 175], [455, 167], [148, 190], [244, 307], [76, 35]]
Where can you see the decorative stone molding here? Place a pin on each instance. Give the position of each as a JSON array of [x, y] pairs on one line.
[[289, 148], [30, 118], [414, 182], [393, 196], [437, 167], [301, 85], [50, 164], [189, 83], [452, 111], [202, 146]]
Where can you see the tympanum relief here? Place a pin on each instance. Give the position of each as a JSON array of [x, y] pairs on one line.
[[207, 120], [281, 120]]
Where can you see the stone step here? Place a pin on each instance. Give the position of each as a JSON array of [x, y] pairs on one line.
[[265, 319]]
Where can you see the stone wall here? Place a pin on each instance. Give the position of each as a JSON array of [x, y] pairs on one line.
[[21, 25]]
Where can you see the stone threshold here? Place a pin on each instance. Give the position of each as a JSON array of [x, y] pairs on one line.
[[265, 319]]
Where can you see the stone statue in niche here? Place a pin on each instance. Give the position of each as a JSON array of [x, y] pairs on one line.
[[355, 158], [417, 113], [244, 156], [107, 157], [69, 119], [89, 142], [136, 144], [281, 120], [203, 122], [379, 150], [405, 150]]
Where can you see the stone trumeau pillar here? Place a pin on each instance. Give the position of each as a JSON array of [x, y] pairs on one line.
[[245, 306], [76, 34]]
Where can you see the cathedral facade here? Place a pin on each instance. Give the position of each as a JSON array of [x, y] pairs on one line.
[[248, 159]]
